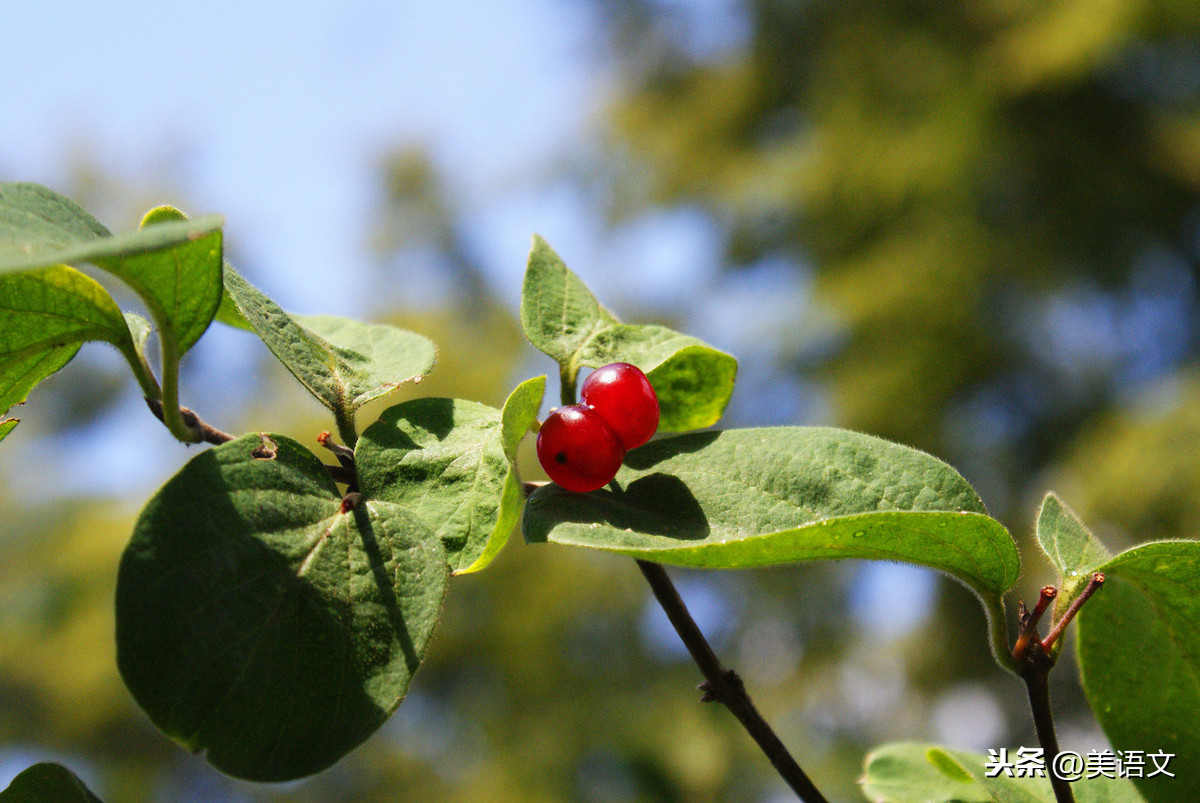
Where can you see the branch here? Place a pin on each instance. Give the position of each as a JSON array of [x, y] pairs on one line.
[[724, 685], [1036, 676], [204, 432]]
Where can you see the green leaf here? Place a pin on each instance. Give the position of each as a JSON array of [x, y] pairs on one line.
[[1070, 545], [908, 772], [48, 308], [443, 459], [1139, 657], [516, 417], [7, 425], [172, 262], [520, 410], [20, 376], [343, 363], [264, 619], [562, 318], [758, 497], [47, 783]]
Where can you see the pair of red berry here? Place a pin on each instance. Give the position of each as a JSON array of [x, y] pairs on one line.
[[581, 446]]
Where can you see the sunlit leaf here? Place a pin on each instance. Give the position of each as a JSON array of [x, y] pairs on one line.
[[343, 363], [444, 460], [564, 320], [758, 497]]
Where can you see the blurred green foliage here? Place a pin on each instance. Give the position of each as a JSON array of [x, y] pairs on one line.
[[997, 201]]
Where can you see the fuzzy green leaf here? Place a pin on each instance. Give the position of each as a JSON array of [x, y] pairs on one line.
[[7, 425], [267, 621], [47, 783], [1139, 657], [562, 318], [343, 363], [1070, 545], [1072, 548], [907, 772], [517, 416], [443, 459], [759, 497], [756, 497]]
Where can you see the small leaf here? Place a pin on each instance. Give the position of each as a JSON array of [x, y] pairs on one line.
[[264, 619], [7, 425], [1139, 657], [907, 772], [1070, 545], [373, 358], [517, 416], [562, 318], [21, 375], [444, 460], [343, 363], [47, 783], [520, 410], [558, 312]]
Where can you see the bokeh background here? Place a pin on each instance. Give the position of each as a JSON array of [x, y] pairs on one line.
[[971, 227]]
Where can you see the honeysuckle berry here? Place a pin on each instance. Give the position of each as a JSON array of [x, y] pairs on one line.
[[578, 449], [622, 394]]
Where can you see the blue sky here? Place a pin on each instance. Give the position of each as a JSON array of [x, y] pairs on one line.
[[276, 114]]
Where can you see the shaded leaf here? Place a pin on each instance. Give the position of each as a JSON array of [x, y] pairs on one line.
[[343, 363], [1139, 657], [444, 460], [261, 619], [562, 318], [47, 783]]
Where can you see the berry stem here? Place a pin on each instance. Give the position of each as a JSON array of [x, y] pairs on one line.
[[724, 685]]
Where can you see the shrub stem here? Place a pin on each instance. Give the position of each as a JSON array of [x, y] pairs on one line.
[[724, 685]]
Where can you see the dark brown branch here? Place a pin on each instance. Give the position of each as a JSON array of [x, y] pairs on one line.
[[724, 686], [204, 432], [1036, 674]]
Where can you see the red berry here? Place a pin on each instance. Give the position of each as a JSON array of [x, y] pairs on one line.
[[622, 394], [578, 449]]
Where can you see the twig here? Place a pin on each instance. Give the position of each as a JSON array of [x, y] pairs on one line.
[[724, 685], [206, 433], [1092, 587]]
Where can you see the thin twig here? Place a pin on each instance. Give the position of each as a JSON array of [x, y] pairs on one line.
[[1097, 580], [724, 686], [206, 433]]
